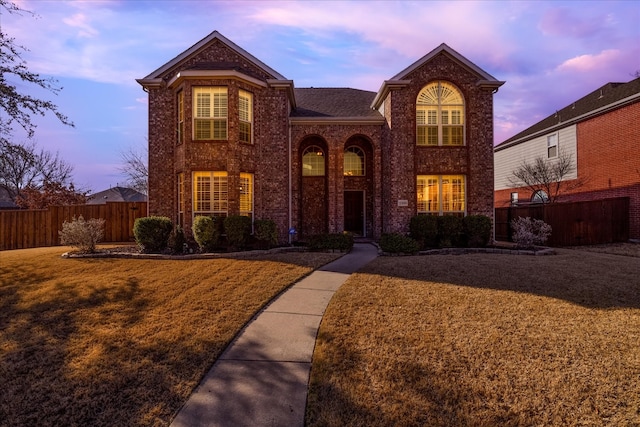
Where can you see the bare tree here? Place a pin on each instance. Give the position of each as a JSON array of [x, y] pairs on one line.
[[134, 168], [548, 175], [20, 107], [23, 166]]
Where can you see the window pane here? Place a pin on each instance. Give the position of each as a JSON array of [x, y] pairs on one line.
[[203, 105], [219, 129], [453, 197], [245, 132], [432, 132], [422, 135], [354, 162], [246, 194], [313, 162]]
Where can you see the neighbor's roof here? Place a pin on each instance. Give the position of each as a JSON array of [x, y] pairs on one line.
[[116, 194], [603, 99], [334, 102]]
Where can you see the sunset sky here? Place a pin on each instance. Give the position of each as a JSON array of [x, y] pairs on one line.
[[549, 53]]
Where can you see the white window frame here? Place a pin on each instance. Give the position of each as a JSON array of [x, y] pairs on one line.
[[210, 106], [210, 193], [245, 113], [440, 109], [552, 146], [433, 199]]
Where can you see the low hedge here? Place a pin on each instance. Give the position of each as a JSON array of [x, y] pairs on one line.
[[332, 241], [395, 243], [152, 233]]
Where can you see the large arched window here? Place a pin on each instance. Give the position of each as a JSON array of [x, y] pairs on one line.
[[353, 161], [313, 161], [440, 115]]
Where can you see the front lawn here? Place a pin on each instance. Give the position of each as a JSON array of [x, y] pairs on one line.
[[122, 342], [482, 340]]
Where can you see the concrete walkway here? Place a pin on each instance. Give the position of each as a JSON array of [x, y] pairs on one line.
[[261, 379]]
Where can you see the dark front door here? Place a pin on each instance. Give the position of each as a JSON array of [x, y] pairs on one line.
[[354, 212]]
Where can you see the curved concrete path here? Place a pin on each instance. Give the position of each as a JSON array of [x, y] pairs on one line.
[[261, 379]]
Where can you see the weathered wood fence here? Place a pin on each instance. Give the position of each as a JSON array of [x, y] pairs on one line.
[[21, 229], [572, 224]]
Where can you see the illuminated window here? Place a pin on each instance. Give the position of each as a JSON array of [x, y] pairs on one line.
[[313, 161], [440, 115], [181, 199], [210, 193], [354, 161], [245, 107], [552, 146], [246, 194], [180, 129], [210, 113], [441, 194]]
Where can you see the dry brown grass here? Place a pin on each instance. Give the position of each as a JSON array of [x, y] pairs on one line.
[[482, 340], [121, 342]]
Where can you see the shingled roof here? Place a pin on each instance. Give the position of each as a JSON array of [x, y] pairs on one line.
[[334, 102], [611, 95]]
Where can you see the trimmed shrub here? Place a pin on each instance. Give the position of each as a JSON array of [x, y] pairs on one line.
[[395, 243], [238, 230], [206, 232], [82, 234], [450, 231], [152, 233], [266, 232], [477, 230], [331, 242], [528, 232], [177, 240], [424, 230]]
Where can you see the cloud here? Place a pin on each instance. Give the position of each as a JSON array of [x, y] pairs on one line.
[[564, 22], [585, 63], [80, 21]]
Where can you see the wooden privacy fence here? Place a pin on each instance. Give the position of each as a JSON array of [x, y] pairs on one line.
[[576, 223], [20, 229]]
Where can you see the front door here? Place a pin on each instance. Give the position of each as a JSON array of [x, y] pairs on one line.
[[354, 212]]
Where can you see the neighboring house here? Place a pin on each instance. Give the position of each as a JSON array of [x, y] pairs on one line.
[[5, 200], [116, 194], [601, 132], [229, 135]]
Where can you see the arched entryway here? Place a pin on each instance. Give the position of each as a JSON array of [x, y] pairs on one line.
[[358, 186], [313, 186]]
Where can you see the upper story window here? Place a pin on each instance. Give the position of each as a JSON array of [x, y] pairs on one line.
[[180, 127], [210, 113], [245, 108], [313, 161], [354, 161], [552, 146], [440, 115]]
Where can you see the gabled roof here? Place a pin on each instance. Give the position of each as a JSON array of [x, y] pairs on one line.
[[116, 194], [334, 102], [601, 100], [399, 80], [202, 44]]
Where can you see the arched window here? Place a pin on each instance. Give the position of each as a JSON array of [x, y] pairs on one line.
[[540, 196], [353, 161], [313, 161], [440, 115]]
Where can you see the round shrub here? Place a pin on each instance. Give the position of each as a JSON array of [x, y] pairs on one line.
[[424, 229], [265, 232], [206, 232], [395, 243], [477, 230], [152, 233], [238, 230]]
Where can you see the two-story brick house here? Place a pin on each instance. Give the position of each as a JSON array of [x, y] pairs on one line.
[[230, 135]]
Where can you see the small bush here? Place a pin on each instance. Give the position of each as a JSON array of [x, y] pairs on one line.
[[477, 230], [424, 229], [152, 233], [265, 232], [332, 241], [82, 234], [450, 231], [206, 232], [238, 230], [528, 232], [177, 240], [395, 243]]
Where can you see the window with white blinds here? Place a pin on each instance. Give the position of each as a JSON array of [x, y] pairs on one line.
[[210, 105]]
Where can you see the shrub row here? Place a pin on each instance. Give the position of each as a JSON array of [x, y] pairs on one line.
[[450, 231], [331, 241]]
